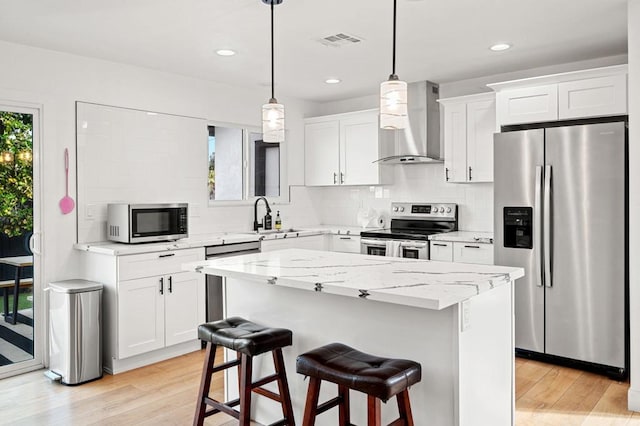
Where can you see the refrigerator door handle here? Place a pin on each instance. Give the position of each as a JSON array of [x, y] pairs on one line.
[[537, 227], [548, 234]]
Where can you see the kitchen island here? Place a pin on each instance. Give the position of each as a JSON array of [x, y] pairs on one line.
[[455, 319]]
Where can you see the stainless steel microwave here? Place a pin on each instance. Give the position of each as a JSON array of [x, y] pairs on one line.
[[143, 223]]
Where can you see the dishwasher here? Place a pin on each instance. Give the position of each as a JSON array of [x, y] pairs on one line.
[[214, 282]]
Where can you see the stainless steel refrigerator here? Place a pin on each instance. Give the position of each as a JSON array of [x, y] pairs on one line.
[[560, 213]]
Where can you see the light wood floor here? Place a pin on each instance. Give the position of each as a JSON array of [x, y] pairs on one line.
[[165, 393]]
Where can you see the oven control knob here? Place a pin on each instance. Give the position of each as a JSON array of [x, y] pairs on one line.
[[448, 209], [441, 209], [395, 209], [401, 209]]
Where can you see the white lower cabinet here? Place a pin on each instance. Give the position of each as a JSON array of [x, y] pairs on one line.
[[345, 243], [441, 251], [312, 242], [449, 251], [473, 253], [151, 308]]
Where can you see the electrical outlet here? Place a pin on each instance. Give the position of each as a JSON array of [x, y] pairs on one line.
[[90, 211], [465, 320]]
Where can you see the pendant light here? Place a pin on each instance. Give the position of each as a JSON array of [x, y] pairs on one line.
[[393, 93], [272, 112]]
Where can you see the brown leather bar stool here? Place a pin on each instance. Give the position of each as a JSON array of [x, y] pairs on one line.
[[248, 339], [379, 378]]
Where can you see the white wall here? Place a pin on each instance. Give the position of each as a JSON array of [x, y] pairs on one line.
[[634, 199], [55, 81], [425, 182]]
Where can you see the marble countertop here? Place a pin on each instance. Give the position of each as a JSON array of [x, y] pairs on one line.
[[464, 237], [420, 283], [214, 239]]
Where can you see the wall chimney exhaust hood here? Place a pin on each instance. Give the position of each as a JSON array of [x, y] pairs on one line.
[[420, 141]]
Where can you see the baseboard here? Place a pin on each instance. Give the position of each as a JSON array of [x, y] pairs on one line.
[[122, 365], [633, 402]]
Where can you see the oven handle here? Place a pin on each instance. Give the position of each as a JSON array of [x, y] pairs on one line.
[[372, 242], [413, 245]]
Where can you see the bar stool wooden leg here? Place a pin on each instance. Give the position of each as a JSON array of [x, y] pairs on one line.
[[373, 411], [283, 387], [245, 390], [205, 384], [404, 407], [344, 409], [311, 404]]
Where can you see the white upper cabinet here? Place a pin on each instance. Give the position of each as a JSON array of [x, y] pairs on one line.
[[342, 149], [597, 92], [468, 127]]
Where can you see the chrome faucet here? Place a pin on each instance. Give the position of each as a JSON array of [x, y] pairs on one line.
[[257, 225]]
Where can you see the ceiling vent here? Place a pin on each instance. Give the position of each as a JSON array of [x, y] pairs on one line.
[[339, 40]]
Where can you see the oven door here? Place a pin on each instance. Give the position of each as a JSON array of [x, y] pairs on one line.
[[408, 249]]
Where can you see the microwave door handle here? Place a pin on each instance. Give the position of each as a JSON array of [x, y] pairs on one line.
[[537, 228]]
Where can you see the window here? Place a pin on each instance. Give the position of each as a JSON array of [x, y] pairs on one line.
[[242, 166]]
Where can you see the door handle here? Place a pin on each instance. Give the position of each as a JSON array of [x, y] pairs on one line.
[[335, 178], [548, 232], [446, 174], [170, 284], [471, 246], [341, 177], [167, 255], [469, 173], [161, 285], [537, 227], [439, 245]]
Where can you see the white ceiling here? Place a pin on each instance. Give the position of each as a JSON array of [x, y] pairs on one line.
[[438, 40]]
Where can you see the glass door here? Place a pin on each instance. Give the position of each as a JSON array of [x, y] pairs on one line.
[[20, 310]]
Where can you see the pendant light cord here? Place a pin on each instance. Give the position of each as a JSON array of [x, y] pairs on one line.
[[272, 60], [393, 71]]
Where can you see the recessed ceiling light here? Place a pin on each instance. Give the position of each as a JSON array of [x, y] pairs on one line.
[[500, 46], [332, 81], [225, 52]]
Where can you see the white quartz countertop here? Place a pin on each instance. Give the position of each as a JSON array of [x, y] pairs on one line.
[[216, 239], [420, 283], [464, 237]]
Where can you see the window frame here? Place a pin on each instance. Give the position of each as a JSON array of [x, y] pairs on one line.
[[247, 161]]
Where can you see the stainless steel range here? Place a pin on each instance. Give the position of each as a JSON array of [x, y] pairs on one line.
[[411, 225]]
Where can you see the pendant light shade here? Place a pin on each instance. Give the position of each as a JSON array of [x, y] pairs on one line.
[[393, 93], [272, 112]]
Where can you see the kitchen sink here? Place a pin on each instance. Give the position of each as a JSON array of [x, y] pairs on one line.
[[275, 231]]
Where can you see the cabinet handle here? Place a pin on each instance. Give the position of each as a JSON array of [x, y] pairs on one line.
[[335, 178], [341, 177], [161, 285], [469, 173], [446, 174], [439, 245], [167, 255], [472, 246], [170, 283], [345, 238]]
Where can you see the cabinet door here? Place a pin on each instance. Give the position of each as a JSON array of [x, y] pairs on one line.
[[140, 315], [359, 149], [455, 142], [481, 124], [441, 251], [593, 97], [313, 242], [473, 253], [321, 156], [345, 243], [527, 105], [183, 307]]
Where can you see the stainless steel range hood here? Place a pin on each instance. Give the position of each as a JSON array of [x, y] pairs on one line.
[[420, 141]]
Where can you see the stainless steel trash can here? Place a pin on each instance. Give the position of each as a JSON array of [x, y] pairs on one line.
[[75, 330]]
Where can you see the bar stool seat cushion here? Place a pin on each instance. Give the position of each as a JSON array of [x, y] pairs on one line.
[[373, 375], [244, 336]]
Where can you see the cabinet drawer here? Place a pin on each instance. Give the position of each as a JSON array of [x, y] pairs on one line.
[[593, 97], [441, 251], [159, 263], [473, 253], [345, 243]]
